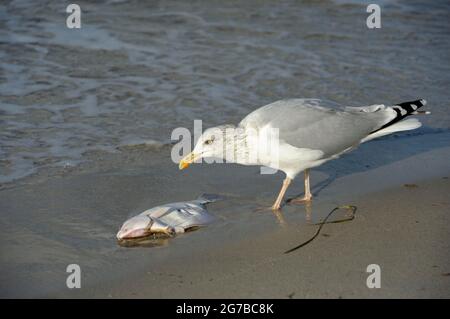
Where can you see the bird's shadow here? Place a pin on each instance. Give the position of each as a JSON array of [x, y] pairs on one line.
[[381, 152]]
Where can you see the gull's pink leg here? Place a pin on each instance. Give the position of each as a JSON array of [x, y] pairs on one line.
[[308, 196], [277, 204]]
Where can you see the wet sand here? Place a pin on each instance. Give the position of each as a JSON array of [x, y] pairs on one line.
[[404, 230], [52, 221]]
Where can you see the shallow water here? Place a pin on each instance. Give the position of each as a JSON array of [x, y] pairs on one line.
[[137, 70]]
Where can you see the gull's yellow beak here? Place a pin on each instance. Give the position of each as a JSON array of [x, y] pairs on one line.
[[187, 160]]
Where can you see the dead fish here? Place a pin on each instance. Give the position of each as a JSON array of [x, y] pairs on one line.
[[169, 219]]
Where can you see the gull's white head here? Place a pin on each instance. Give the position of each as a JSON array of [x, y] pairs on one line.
[[212, 143]]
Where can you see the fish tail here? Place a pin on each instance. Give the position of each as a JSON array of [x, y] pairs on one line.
[[208, 198]]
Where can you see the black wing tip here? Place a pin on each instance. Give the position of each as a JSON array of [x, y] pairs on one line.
[[412, 106], [403, 110], [420, 103]]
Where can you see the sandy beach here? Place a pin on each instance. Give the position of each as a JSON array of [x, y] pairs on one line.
[[401, 224], [408, 239], [87, 117]]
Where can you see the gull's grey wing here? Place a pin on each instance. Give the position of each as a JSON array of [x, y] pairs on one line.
[[318, 125]]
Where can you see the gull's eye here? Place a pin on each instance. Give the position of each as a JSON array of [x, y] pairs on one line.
[[208, 142]]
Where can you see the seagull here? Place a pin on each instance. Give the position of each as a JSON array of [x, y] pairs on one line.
[[309, 132]]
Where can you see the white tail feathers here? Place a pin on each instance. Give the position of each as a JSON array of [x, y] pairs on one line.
[[405, 125]]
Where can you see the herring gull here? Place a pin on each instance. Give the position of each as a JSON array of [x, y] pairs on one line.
[[309, 133]]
